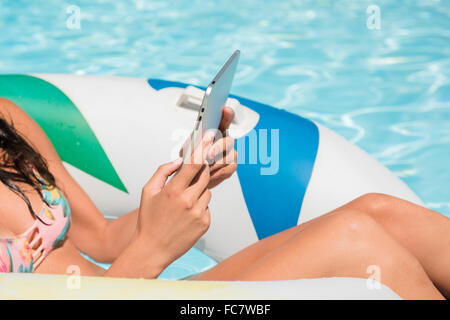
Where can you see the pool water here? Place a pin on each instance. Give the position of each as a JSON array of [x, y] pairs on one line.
[[386, 90], [189, 264]]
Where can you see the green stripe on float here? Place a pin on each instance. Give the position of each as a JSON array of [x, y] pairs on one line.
[[63, 123]]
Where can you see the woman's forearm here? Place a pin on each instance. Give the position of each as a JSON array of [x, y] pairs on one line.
[[140, 259], [116, 236]]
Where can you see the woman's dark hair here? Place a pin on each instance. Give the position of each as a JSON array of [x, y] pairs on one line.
[[17, 160]]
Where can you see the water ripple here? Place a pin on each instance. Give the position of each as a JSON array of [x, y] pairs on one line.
[[386, 90]]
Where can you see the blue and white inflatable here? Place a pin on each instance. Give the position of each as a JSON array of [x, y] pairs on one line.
[[291, 169]]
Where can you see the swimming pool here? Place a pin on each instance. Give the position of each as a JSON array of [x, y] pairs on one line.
[[386, 90]]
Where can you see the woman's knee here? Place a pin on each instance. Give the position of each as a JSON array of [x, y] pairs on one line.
[[356, 243], [352, 222], [389, 211], [363, 242], [373, 202], [353, 230], [359, 236]]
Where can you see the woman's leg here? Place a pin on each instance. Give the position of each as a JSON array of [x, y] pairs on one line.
[[425, 233], [344, 244], [230, 267], [233, 265]]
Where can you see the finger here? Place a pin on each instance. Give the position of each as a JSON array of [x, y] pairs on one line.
[[220, 149], [204, 199], [230, 158], [227, 118], [200, 151], [199, 183], [222, 173], [185, 144], [159, 178], [197, 160], [205, 214]]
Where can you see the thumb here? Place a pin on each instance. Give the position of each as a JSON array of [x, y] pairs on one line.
[[159, 178]]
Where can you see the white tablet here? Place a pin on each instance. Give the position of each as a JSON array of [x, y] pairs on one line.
[[216, 95]]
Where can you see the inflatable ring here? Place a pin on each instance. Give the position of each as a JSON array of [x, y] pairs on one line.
[[113, 132]]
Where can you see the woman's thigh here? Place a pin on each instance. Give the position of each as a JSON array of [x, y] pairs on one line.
[[229, 268], [407, 223], [233, 265], [345, 244]]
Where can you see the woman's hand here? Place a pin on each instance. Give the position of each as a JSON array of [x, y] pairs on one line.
[[222, 153], [173, 216], [222, 156]]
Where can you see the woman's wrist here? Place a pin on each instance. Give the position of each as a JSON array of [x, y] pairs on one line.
[[155, 254], [141, 259]]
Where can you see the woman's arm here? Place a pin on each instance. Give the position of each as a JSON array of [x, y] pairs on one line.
[[90, 232], [171, 217], [140, 259]]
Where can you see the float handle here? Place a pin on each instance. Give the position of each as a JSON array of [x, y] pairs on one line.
[[192, 97]]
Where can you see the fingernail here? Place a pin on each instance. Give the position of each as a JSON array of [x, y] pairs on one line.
[[177, 161], [209, 135]]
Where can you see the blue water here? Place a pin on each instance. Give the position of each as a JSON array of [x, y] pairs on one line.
[[386, 90], [192, 262]]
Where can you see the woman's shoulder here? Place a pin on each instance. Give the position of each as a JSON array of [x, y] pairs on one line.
[[25, 126], [11, 112], [5, 101], [6, 104]]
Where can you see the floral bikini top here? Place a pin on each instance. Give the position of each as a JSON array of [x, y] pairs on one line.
[[17, 253]]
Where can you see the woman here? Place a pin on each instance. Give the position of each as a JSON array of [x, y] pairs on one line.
[[46, 219]]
